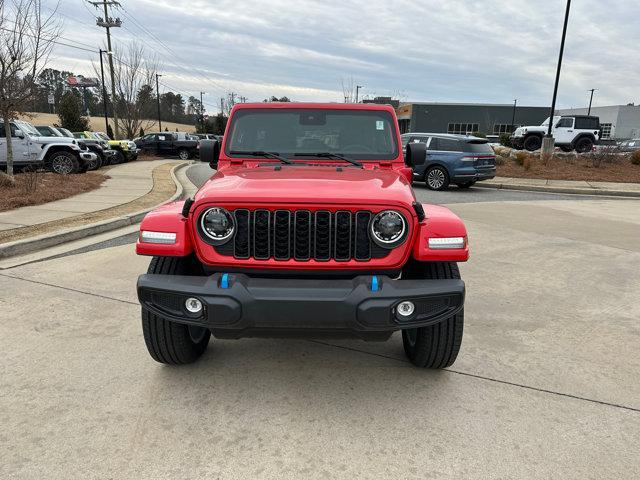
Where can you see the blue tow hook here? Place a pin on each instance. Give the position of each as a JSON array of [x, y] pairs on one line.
[[374, 284], [224, 280]]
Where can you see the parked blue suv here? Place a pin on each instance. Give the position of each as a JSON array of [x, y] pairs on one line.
[[458, 159]]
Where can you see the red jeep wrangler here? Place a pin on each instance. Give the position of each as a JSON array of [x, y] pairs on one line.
[[309, 227]]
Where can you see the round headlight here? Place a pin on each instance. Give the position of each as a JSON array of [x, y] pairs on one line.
[[217, 225], [388, 229]]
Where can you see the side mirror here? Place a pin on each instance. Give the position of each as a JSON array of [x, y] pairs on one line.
[[415, 155], [210, 152]]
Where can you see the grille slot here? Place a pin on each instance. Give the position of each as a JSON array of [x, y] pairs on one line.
[[302, 235]]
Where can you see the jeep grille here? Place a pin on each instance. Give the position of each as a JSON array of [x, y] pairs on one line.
[[302, 235]]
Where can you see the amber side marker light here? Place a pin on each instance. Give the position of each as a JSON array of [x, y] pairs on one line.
[[157, 237], [447, 243]]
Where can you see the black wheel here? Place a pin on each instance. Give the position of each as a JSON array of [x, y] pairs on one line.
[[63, 163], [170, 342], [566, 148], [584, 145], [118, 158], [532, 143], [94, 164], [437, 178], [435, 346], [466, 184], [184, 154]]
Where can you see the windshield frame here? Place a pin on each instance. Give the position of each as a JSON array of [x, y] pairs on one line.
[[358, 156]]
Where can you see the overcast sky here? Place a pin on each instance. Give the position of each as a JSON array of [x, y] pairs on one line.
[[445, 51]]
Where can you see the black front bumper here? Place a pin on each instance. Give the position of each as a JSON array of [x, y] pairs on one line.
[[237, 305]]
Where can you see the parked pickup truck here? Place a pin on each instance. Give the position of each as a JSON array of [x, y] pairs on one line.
[[310, 228], [168, 144]]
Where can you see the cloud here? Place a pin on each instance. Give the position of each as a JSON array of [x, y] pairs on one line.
[[460, 51]]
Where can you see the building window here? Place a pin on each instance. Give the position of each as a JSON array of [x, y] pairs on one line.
[[463, 128], [606, 130], [405, 125], [500, 128]]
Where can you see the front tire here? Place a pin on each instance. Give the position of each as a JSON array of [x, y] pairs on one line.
[[437, 178], [532, 143], [435, 346], [63, 163], [118, 158], [566, 148], [169, 342]]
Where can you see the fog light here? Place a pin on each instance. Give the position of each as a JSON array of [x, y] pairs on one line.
[[193, 305], [405, 309]]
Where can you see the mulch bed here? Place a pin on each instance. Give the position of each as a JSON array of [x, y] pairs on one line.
[[604, 169], [36, 188]]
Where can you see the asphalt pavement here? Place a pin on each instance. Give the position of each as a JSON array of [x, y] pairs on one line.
[[546, 384]]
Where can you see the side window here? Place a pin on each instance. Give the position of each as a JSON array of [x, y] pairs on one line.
[[587, 123], [405, 140], [448, 145], [162, 138], [565, 123]]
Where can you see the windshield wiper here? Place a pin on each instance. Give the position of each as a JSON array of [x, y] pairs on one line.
[[260, 153], [329, 155]]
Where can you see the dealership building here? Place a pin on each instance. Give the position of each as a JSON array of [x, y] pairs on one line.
[[466, 118], [618, 122]]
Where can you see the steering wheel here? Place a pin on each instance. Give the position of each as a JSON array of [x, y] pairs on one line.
[[357, 148]]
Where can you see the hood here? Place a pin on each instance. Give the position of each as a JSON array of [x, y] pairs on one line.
[[44, 139], [308, 184]]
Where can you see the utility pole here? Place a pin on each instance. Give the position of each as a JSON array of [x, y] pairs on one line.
[[222, 106], [358, 87], [513, 117], [202, 112], [104, 93], [548, 143], [591, 99], [108, 23], [158, 101]]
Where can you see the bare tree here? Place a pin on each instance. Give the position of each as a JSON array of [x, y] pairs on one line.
[[26, 40], [348, 89], [134, 80]]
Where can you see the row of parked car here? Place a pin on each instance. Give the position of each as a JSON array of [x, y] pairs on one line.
[[184, 145], [61, 151]]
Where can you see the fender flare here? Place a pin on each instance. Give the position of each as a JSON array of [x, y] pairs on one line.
[[56, 147], [167, 218], [439, 222]]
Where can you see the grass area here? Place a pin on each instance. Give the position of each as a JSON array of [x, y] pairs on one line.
[[37, 187], [597, 167], [97, 123]]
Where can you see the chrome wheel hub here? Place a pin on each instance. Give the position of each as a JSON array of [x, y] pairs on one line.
[[435, 179]]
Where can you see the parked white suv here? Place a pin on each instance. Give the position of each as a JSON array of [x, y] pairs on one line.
[[57, 154], [578, 132]]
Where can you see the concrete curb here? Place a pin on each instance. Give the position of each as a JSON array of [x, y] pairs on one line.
[[566, 190], [28, 245]]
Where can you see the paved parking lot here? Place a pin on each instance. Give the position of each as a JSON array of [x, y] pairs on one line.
[[546, 385]]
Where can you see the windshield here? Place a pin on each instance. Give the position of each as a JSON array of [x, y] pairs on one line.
[[102, 136], [26, 127], [546, 122], [357, 134]]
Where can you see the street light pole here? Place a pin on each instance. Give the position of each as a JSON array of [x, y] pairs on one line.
[[158, 101], [358, 87], [548, 143], [513, 117], [591, 99], [104, 93], [202, 112]]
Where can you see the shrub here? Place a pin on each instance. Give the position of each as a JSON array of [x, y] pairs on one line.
[[505, 140], [635, 157], [521, 157], [526, 163], [500, 160], [6, 181]]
